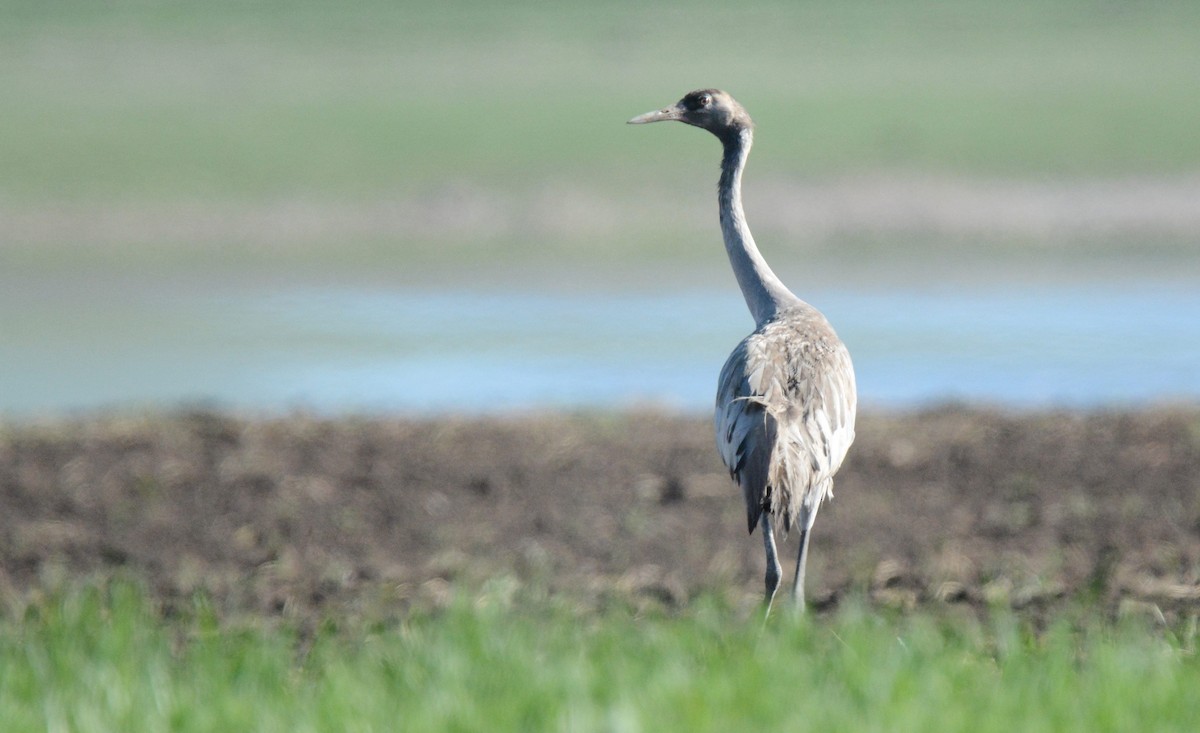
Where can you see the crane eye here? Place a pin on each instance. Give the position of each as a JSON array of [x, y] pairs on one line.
[[697, 101]]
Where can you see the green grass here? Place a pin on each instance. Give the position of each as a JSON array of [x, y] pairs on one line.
[[102, 659], [229, 100]]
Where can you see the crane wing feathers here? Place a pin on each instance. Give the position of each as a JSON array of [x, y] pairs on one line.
[[745, 434], [785, 416]]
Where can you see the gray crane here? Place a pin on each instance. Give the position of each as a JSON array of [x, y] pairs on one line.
[[786, 397]]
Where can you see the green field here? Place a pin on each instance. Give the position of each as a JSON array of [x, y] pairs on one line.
[[302, 137], [103, 659], [230, 100]]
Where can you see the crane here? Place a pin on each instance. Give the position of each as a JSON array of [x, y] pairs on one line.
[[786, 397]]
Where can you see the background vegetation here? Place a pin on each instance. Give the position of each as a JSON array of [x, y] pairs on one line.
[[101, 659], [260, 130]]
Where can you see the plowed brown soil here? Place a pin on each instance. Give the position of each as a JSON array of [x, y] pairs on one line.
[[310, 516]]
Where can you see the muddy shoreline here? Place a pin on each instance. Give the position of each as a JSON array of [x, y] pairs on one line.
[[307, 516]]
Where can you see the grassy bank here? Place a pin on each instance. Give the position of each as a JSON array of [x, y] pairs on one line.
[[145, 100], [105, 659], [459, 142], [976, 571]]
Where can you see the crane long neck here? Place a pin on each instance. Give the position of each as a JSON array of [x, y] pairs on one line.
[[765, 294]]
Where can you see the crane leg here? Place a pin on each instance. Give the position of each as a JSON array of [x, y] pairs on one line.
[[774, 571], [798, 581]]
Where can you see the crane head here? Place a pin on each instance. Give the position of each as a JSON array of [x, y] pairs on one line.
[[710, 109]]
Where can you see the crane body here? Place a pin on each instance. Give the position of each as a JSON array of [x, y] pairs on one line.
[[786, 396]]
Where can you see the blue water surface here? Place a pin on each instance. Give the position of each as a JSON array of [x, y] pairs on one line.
[[416, 351]]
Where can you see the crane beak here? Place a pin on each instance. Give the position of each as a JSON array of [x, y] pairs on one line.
[[658, 115]]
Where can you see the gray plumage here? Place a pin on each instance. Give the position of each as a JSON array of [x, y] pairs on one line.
[[786, 396]]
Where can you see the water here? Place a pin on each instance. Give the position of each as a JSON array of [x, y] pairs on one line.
[[360, 349]]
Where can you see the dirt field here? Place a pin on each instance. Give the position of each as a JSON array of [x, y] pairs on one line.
[[301, 516]]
